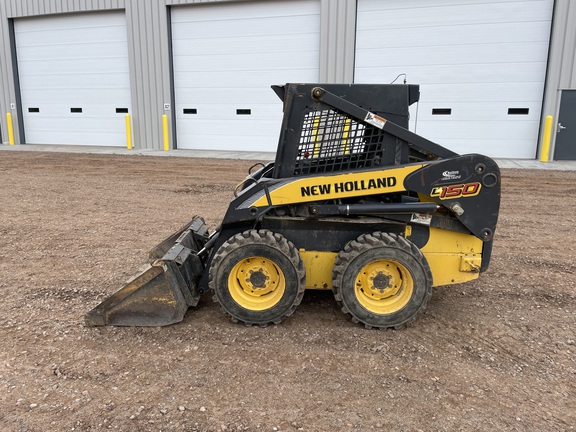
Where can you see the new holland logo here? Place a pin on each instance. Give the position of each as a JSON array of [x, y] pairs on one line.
[[350, 186]]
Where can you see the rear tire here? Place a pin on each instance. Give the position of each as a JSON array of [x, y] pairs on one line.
[[382, 280], [257, 277]]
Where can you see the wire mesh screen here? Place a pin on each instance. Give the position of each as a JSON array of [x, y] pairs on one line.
[[332, 142]]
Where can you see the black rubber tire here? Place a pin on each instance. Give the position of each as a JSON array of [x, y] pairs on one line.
[[271, 246], [373, 248]]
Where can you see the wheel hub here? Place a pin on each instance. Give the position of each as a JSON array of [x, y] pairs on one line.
[[381, 281], [256, 283], [383, 286], [258, 278]]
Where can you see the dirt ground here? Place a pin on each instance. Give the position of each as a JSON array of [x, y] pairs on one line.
[[497, 354]]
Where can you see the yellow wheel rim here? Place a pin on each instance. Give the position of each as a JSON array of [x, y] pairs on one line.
[[384, 286], [256, 283]]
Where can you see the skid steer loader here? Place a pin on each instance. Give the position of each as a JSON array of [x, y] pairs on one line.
[[354, 203]]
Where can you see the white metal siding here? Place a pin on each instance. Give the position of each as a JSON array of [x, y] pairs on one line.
[[226, 56], [478, 58], [73, 61]]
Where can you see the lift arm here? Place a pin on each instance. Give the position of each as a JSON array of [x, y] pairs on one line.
[[430, 149]]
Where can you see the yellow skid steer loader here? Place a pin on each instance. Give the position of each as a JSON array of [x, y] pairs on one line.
[[354, 203]]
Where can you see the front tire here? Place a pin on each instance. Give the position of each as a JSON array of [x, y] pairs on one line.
[[382, 280], [257, 277]]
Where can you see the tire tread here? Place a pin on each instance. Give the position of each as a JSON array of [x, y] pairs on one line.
[[365, 243], [263, 237]]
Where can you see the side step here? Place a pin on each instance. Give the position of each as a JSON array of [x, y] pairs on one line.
[[164, 290]]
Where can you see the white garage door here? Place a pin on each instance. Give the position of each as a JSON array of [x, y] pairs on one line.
[[74, 78], [481, 66], [226, 56]]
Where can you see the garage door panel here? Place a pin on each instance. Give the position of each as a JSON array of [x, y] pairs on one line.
[[286, 44], [467, 34], [77, 86], [375, 7], [68, 50], [256, 101], [477, 58], [64, 36], [61, 33], [68, 96], [73, 63], [463, 130], [63, 112], [238, 142], [232, 128], [456, 74], [458, 54], [223, 121], [257, 108], [82, 22], [254, 95], [226, 56], [242, 135], [483, 92], [58, 83], [77, 123], [483, 111], [251, 80], [65, 137], [256, 62], [247, 12], [228, 118], [259, 27], [86, 66], [61, 130], [507, 148], [249, 136], [402, 15]]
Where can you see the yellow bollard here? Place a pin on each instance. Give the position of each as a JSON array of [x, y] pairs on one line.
[[10, 129], [165, 131], [128, 132], [547, 135]]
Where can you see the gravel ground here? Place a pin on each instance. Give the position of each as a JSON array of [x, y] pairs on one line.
[[494, 354]]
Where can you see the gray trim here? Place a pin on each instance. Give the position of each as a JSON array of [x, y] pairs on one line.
[[337, 41], [172, 90], [7, 94], [19, 120], [149, 69]]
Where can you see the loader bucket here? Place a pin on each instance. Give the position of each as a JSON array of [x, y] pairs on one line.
[[160, 294]]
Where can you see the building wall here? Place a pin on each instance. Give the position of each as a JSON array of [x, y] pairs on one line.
[[149, 54]]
